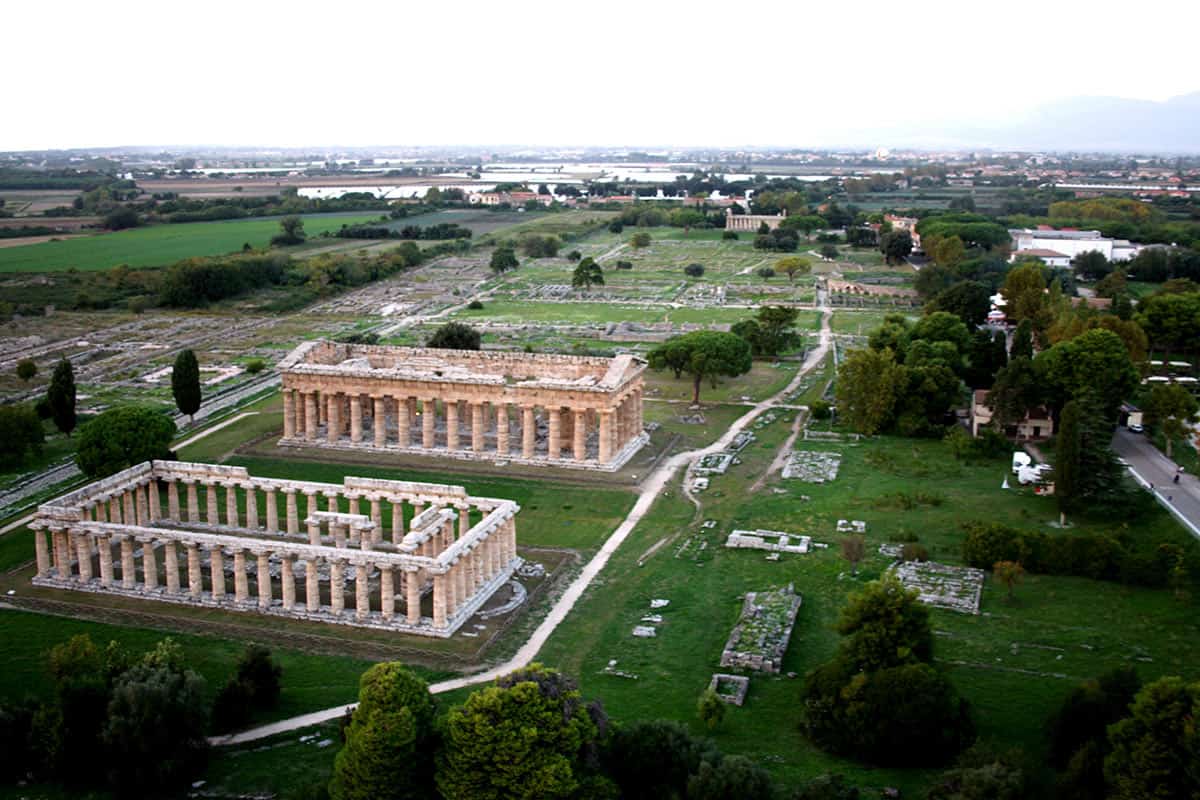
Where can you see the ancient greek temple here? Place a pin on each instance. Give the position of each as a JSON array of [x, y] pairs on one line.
[[751, 222], [414, 557], [556, 410]]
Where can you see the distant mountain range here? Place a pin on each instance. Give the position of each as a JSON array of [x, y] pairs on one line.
[[1108, 124]]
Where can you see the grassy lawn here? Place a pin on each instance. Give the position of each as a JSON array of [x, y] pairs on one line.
[[764, 379], [583, 313], [861, 323], [158, 245], [1014, 662]]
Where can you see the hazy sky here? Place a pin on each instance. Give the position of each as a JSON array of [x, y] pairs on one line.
[[615, 72]]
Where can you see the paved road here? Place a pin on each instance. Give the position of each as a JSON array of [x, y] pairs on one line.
[[649, 491], [1154, 468]]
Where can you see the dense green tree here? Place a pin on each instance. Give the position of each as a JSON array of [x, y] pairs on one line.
[[694, 270], [894, 334], [1095, 362], [829, 252], [121, 437], [868, 383], [21, 434], [1022, 343], [982, 775], [1016, 390], [731, 777], [988, 355], [1068, 460], [704, 355], [803, 223], [525, 737], [587, 274], [885, 625], [455, 336], [942, 326], [766, 272], [771, 331], [291, 232], [933, 279], [61, 396], [1155, 751], [1087, 711], [653, 759], [27, 369], [504, 258], [793, 266], [185, 384], [1025, 293], [1092, 265], [1173, 409], [639, 240], [154, 735], [895, 246], [536, 246], [386, 754], [261, 674], [1172, 321], [1115, 284], [928, 393], [710, 708], [968, 300]]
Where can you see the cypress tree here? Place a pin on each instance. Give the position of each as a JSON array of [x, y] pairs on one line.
[[1067, 459], [1022, 343], [61, 396], [185, 384]]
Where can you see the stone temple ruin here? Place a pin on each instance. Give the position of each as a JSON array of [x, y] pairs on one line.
[[943, 585], [813, 466], [772, 541], [454, 548], [760, 638], [518, 407]]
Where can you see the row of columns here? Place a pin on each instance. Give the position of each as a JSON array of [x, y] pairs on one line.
[[568, 429]]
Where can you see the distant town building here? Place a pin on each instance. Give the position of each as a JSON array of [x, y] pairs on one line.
[[1037, 423], [905, 224], [1070, 243]]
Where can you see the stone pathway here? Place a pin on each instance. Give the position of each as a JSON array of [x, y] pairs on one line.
[[649, 491]]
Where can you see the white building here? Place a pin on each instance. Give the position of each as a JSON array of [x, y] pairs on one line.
[[1068, 244]]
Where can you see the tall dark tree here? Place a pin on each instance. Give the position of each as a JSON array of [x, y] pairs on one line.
[[291, 231], [1067, 458], [185, 384], [1155, 750], [26, 369], [705, 355], [455, 336], [1022, 343], [587, 274], [504, 258], [61, 396], [968, 300]]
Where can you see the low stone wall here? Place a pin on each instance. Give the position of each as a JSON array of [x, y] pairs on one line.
[[761, 636]]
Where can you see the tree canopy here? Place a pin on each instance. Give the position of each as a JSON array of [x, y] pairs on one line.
[[61, 396], [455, 336], [587, 274], [185, 383], [121, 437], [704, 355]]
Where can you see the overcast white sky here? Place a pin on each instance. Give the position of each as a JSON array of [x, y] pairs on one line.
[[615, 72]]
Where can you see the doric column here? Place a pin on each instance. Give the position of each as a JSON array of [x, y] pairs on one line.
[[555, 425], [173, 499], [264, 580], [464, 521], [195, 577], [412, 601], [213, 516], [193, 501], [528, 432], [128, 567], [580, 435], [272, 510], [502, 429], [241, 587], [331, 501], [114, 509], [62, 552], [143, 505], [314, 533], [312, 586], [337, 585], [428, 418], [101, 511], [451, 425], [477, 426], [379, 420], [171, 565], [83, 554], [323, 408], [289, 411], [362, 600], [293, 516], [104, 551], [231, 505], [453, 587], [339, 534], [439, 600], [334, 415], [606, 435], [155, 501], [403, 422], [43, 552], [149, 564], [397, 521], [387, 592], [251, 506], [287, 581], [356, 418], [216, 568], [128, 512], [377, 518], [310, 416]]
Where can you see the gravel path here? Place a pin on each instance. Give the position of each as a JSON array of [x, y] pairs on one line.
[[649, 491]]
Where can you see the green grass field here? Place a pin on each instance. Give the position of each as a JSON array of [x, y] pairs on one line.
[[159, 245]]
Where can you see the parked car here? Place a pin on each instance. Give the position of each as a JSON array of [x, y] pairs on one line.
[[1135, 427]]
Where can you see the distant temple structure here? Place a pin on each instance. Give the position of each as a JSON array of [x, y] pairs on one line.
[[751, 222], [545, 409]]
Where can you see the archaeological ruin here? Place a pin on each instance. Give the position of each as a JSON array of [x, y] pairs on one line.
[[543, 409], [212, 521]]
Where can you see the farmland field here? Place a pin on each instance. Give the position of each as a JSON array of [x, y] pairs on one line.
[[160, 245]]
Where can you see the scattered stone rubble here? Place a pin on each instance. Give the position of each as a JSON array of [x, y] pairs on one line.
[[942, 585], [761, 636], [812, 466], [774, 541], [730, 688], [851, 526]]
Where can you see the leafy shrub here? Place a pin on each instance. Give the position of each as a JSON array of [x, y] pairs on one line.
[[475, 305], [822, 409], [729, 235], [255, 366], [624, 265], [914, 552]]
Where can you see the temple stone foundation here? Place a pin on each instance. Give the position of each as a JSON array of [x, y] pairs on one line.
[[547, 410], [413, 557]]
